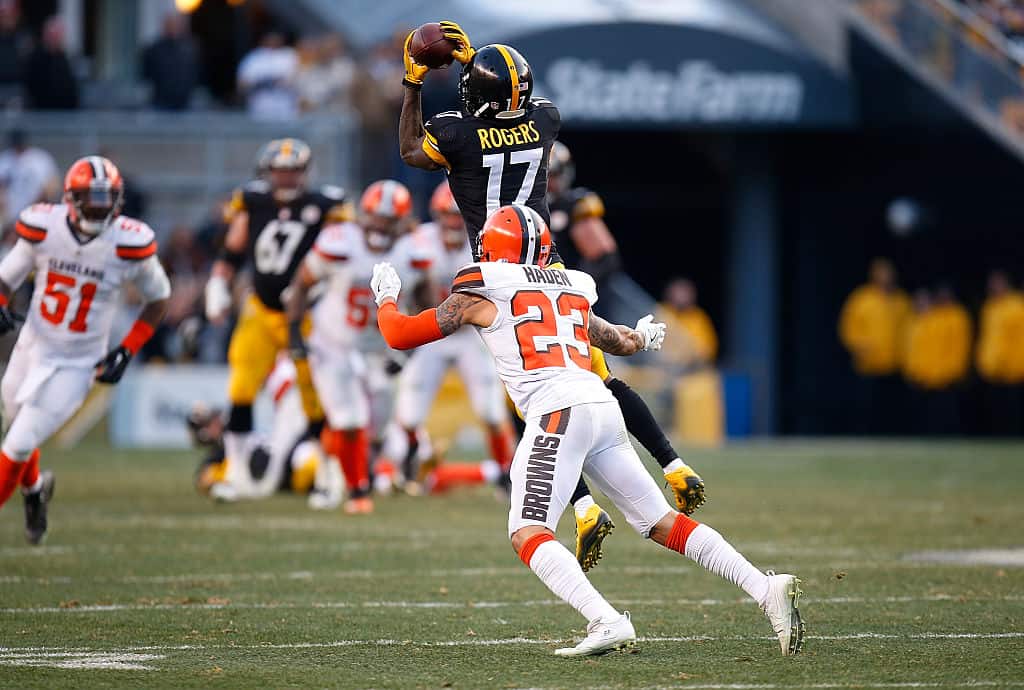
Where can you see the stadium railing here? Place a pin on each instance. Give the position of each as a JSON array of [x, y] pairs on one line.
[[962, 56], [186, 161]]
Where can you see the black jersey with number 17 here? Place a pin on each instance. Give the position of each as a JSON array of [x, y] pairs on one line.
[[494, 162]]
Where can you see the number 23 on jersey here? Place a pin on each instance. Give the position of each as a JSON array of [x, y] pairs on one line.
[[539, 342]]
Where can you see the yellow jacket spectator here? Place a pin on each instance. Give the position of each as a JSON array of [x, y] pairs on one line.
[[872, 322], [938, 347], [1000, 355], [680, 311]]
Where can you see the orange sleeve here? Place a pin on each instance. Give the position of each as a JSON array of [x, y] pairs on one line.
[[404, 332]]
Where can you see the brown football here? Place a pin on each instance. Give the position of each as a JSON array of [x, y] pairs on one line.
[[429, 46]]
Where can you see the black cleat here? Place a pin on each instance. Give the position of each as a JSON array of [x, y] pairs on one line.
[[35, 509]]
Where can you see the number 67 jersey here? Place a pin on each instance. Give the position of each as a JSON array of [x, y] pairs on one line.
[[539, 339], [78, 284]]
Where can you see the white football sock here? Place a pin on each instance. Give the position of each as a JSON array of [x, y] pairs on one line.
[[236, 450], [490, 470], [561, 572], [583, 505], [710, 549], [676, 464]]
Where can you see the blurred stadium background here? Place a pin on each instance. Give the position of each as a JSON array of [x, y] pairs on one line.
[[765, 150], [821, 197]]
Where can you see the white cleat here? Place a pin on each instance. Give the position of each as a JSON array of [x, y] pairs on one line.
[[222, 492], [322, 499], [781, 607], [603, 638]]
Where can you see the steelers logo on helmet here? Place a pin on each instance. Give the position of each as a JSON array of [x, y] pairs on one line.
[[284, 164], [383, 211], [496, 83], [515, 234], [94, 192]]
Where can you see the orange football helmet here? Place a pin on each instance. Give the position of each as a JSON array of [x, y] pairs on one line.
[[515, 234], [384, 208], [94, 193], [448, 217], [442, 201]]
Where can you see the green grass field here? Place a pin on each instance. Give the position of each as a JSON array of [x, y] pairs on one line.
[[142, 583]]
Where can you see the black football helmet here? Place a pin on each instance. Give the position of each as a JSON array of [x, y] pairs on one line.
[[561, 169], [285, 164], [496, 83]]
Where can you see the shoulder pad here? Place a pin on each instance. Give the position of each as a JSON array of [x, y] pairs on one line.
[[134, 239], [335, 242], [257, 187], [443, 130], [34, 221], [343, 211], [540, 102], [586, 204], [241, 196], [584, 282], [469, 279], [427, 233], [420, 250], [332, 192], [448, 113]]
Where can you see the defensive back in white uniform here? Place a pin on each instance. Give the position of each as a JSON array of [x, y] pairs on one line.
[[426, 368], [348, 356], [67, 327], [82, 252], [538, 325]]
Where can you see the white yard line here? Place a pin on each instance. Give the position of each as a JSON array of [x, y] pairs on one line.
[[463, 604], [365, 573], [829, 686], [93, 659], [473, 642]]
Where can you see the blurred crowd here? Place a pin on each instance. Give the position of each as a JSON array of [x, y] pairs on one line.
[[1006, 16], [927, 365], [277, 77]]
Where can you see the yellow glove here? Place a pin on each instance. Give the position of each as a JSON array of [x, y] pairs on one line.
[[414, 71], [453, 32]]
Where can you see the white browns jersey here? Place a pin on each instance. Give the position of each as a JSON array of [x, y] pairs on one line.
[[346, 315], [539, 338], [78, 284], [447, 262]]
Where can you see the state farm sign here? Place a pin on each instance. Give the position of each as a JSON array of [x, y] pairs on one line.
[[696, 91]]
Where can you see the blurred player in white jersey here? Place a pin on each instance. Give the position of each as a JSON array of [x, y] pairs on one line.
[[423, 373], [83, 252], [351, 365], [286, 459], [539, 326]]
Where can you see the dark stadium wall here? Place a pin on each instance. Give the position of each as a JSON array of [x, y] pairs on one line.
[[836, 190], [671, 208], [666, 197]]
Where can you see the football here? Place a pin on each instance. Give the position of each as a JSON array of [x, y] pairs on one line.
[[429, 46]]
